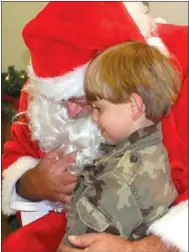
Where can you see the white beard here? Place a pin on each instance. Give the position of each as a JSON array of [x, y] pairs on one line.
[[51, 126]]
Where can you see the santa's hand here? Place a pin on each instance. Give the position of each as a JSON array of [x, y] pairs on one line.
[[96, 242], [49, 180], [100, 243]]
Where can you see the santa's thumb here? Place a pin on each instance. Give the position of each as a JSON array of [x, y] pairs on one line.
[[85, 240]]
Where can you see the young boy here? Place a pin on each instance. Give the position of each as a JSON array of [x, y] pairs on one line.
[[130, 87]]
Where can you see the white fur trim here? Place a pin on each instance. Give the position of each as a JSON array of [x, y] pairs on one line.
[[158, 43], [146, 24], [60, 87], [173, 227], [160, 20], [10, 176]]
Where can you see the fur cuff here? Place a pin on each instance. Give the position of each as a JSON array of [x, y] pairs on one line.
[[173, 227], [158, 43], [10, 176], [160, 20]]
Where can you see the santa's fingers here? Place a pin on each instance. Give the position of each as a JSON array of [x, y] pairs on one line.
[[64, 248], [63, 165], [65, 178], [64, 198], [59, 153], [67, 189], [60, 156], [55, 155], [71, 157]]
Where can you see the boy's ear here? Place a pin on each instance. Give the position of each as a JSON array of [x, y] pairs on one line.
[[137, 106]]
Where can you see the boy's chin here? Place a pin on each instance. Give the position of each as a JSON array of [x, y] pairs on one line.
[[110, 141]]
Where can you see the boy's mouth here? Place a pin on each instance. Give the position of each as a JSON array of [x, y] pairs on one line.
[[101, 129]]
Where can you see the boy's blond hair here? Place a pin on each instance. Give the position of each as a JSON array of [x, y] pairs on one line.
[[134, 67]]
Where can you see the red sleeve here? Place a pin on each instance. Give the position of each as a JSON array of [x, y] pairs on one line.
[[181, 116], [21, 143], [175, 126], [181, 121], [175, 131]]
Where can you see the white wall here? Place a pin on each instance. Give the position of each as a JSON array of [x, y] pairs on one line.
[[16, 14], [173, 12]]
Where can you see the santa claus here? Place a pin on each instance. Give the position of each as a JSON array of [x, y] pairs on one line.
[[54, 121]]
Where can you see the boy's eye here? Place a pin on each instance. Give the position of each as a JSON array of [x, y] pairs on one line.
[[96, 108]]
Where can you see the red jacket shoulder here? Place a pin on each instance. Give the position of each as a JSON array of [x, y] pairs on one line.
[[175, 37]]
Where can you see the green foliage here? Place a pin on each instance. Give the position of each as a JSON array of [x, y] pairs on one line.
[[8, 111], [12, 82]]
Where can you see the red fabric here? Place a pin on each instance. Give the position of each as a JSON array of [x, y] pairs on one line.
[[175, 134], [43, 237], [175, 127], [46, 233], [72, 32], [21, 144]]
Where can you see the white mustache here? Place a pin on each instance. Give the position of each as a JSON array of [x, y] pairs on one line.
[[53, 128]]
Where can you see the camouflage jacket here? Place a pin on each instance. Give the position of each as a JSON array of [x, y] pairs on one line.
[[125, 190]]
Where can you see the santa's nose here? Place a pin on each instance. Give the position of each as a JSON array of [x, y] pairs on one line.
[[74, 109]]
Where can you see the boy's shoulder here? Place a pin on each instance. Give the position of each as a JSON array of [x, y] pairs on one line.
[[148, 163], [147, 173]]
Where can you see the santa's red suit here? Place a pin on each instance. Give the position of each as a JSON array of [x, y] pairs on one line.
[[62, 39]]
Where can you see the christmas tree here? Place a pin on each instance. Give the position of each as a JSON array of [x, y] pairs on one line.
[[12, 83]]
